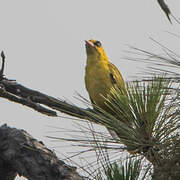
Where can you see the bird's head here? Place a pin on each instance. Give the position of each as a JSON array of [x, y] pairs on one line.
[[94, 48]]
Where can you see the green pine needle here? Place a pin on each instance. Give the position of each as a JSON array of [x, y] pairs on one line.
[[138, 115]]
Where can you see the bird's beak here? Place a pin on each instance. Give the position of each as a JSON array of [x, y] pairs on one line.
[[89, 43]]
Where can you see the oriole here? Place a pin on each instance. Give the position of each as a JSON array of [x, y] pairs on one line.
[[101, 75]]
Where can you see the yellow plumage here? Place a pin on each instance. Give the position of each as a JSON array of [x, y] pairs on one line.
[[101, 75]]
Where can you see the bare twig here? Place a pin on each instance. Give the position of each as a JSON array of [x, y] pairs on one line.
[[2, 68]]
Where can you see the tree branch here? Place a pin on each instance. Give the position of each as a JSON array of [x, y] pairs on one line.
[[45, 104], [21, 154]]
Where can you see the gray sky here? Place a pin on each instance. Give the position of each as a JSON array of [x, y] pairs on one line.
[[44, 45]]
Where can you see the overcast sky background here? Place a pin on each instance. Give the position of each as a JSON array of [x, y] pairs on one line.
[[43, 41]]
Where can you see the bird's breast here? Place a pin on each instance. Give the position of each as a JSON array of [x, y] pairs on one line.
[[98, 83]]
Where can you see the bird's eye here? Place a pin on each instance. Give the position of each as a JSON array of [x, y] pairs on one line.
[[97, 43]]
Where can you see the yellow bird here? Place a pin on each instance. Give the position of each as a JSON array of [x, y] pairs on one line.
[[101, 75]]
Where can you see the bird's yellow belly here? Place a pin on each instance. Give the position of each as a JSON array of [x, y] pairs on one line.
[[98, 85]]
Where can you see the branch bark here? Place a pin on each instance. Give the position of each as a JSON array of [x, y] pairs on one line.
[[21, 154]]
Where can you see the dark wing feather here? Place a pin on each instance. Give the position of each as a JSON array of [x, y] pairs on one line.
[[115, 75], [112, 78]]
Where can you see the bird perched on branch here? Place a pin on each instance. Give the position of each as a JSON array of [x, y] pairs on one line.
[[101, 75]]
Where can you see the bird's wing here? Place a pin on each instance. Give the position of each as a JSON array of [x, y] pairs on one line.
[[115, 76]]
